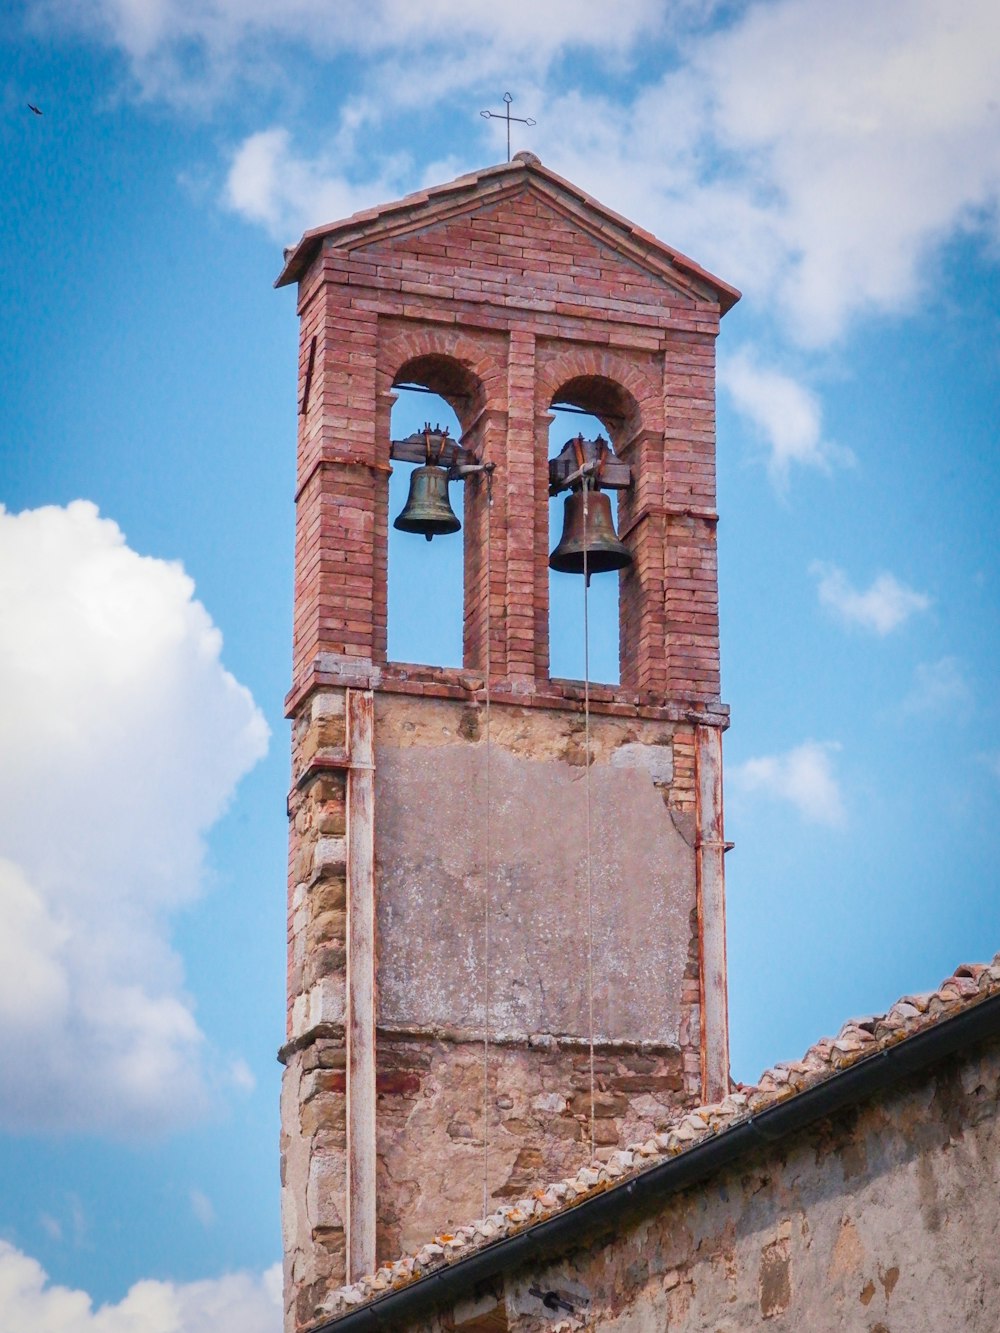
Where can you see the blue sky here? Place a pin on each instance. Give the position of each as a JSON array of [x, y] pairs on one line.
[[840, 164]]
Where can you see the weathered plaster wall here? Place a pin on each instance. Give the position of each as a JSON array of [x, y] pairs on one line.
[[431, 843], [881, 1220], [429, 836]]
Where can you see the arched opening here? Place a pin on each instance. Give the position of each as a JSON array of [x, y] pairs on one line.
[[566, 648], [590, 406], [425, 578]]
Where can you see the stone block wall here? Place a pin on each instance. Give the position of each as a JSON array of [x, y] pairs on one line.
[[880, 1219]]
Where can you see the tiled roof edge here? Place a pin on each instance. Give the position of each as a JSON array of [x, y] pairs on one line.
[[857, 1040], [298, 256]]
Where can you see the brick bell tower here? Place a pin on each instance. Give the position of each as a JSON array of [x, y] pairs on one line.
[[442, 968]]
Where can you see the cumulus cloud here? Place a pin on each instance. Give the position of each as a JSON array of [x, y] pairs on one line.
[[802, 776], [270, 183], [739, 139], [123, 738], [821, 195], [939, 688], [882, 607], [235, 1303], [785, 414]]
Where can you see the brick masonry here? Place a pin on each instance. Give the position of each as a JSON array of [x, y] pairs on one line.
[[504, 310], [504, 296]]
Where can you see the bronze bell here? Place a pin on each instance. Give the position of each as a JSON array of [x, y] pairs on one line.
[[428, 509], [604, 550]]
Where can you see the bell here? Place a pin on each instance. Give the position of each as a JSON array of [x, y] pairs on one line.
[[604, 550], [428, 509]]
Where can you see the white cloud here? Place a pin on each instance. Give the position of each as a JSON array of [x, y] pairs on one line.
[[123, 738], [235, 1303], [201, 1206], [882, 607], [786, 415], [72, 1226], [741, 139], [803, 776], [190, 50], [269, 183], [939, 688], [241, 1075], [823, 196]]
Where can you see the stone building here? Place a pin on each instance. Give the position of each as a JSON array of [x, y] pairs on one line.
[[506, 924], [852, 1191]]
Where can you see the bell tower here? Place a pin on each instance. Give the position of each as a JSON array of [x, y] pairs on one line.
[[506, 932]]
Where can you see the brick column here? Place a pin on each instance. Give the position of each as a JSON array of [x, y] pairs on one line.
[[520, 511], [487, 439], [669, 600], [380, 527], [642, 601], [692, 590], [341, 484]]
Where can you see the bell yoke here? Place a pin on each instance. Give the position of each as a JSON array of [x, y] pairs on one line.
[[589, 542]]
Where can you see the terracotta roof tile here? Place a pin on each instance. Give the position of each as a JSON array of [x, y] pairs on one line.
[[858, 1038]]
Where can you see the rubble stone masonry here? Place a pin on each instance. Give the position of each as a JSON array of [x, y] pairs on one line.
[[877, 1217]]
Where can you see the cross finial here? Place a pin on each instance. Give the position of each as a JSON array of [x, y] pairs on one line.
[[505, 115]]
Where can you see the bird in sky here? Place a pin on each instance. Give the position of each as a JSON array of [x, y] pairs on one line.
[[37, 110]]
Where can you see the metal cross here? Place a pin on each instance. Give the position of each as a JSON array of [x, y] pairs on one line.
[[505, 115]]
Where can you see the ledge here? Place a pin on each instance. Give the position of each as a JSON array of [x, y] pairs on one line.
[[462, 1036], [329, 669]]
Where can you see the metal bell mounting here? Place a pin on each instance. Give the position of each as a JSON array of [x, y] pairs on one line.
[[428, 510]]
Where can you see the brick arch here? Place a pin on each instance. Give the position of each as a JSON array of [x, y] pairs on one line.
[[624, 395], [466, 372]]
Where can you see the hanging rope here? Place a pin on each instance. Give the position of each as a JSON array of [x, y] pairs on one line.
[[586, 783], [487, 857]]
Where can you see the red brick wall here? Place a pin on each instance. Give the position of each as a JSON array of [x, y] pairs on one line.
[[501, 311]]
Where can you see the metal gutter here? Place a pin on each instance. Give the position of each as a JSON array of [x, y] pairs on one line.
[[975, 1023]]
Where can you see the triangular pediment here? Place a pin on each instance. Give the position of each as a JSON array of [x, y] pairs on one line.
[[517, 189]]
